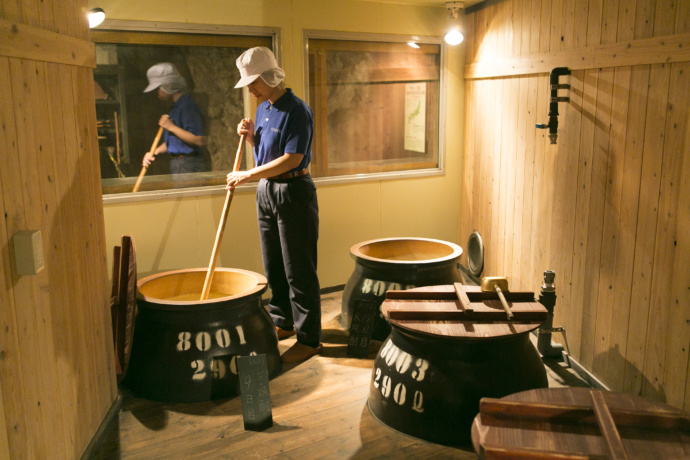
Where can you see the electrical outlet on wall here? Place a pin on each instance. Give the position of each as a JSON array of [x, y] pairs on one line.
[[28, 252]]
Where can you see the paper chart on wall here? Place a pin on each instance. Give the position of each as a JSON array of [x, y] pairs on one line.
[[415, 116]]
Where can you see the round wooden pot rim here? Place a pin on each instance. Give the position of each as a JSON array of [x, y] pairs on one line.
[[355, 252], [260, 287]]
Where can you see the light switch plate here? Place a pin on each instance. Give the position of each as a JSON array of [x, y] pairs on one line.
[[28, 252]]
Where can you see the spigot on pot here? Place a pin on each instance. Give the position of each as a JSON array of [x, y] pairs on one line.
[[547, 298], [553, 104]]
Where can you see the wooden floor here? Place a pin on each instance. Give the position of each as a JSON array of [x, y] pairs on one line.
[[319, 412]]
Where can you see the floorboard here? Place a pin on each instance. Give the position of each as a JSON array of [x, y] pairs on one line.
[[319, 412]]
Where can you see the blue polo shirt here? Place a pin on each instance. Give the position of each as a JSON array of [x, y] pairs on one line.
[[186, 114], [284, 127]]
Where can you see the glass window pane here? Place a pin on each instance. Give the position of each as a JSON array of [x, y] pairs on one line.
[[128, 118], [376, 106]]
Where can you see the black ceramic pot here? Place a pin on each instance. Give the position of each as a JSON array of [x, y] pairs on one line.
[[430, 386], [184, 350], [393, 264]]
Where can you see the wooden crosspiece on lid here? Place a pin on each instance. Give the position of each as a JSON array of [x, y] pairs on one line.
[[462, 311]]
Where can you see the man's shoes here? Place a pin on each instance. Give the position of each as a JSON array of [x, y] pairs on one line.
[[283, 334], [300, 352]]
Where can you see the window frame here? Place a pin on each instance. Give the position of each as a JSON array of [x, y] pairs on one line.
[[114, 25], [396, 39]]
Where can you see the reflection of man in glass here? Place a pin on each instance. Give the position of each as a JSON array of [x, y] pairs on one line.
[[185, 135]]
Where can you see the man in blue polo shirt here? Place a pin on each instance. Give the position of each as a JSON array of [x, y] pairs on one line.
[[185, 135], [286, 203]]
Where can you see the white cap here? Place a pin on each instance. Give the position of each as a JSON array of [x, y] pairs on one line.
[[255, 61], [164, 73]]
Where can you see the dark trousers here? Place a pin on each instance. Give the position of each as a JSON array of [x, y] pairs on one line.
[[190, 163], [288, 214]]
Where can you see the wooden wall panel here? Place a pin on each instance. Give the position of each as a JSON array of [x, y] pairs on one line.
[[11, 364], [57, 379], [607, 207]]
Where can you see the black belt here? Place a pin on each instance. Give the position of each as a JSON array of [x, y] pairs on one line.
[[290, 175]]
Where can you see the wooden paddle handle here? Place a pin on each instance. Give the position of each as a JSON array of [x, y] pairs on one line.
[[609, 432], [150, 154], [504, 302], [221, 226]]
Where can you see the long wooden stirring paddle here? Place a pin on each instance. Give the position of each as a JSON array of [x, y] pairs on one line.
[[221, 226], [150, 155]]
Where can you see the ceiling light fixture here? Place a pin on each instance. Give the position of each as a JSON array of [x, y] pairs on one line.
[[96, 16], [454, 36]]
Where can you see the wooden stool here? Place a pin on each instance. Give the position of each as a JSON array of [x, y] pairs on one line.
[[579, 423], [450, 346]]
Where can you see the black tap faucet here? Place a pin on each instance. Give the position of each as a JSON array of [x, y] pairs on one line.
[[555, 99]]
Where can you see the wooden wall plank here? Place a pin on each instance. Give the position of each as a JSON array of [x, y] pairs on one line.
[[528, 185], [487, 181], [664, 17], [568, 25], [556, 32], [611, 225], [12, 374], [565, 204], [679, 333], [676, 366], [514, 236], [537, 113], [88, 245], [30, 12], [498, 205], [498, 174], [11, 10], [67, 349], [596, 215], [30, 351], [580, 17], [69, 172], [625, 245], [467, 199], [545, 26], [609, 25], [644, 18], [666, 236], [478, 204], [534, 24], [4, 441], [655, 346], [597, 316], [646, 226], [539, 225], [516, 147], [584, 175], [51, 296], [630, 26]]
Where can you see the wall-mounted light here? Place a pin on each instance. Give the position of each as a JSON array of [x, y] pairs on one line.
[[96, 16], [413, 45], [454, 35]]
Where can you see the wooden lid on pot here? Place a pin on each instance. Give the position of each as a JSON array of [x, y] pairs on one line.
[[459, 311]]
